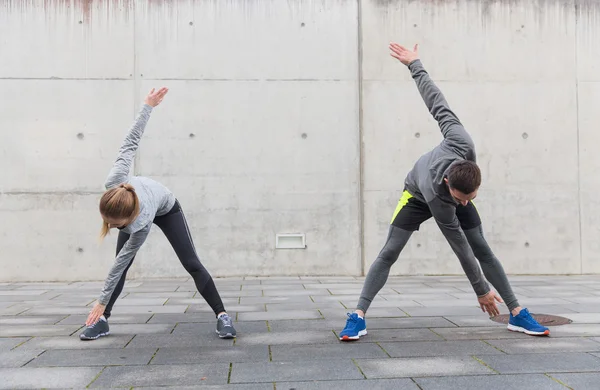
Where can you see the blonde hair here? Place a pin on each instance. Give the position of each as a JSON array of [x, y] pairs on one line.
[[119, 203]]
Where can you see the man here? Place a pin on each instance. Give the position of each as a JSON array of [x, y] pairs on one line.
[[442, 184]]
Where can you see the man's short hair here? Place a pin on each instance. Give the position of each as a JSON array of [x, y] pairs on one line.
[[464, 176]]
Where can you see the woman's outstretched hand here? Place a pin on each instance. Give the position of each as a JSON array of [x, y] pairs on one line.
[[155, 97], [95, 314]]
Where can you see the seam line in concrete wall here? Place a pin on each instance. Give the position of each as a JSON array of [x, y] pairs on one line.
[[136, 85], [361, 208], [577, 8]]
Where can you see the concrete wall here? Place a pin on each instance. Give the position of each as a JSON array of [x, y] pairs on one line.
[[290, 116]]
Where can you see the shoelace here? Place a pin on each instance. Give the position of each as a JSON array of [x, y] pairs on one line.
[[226, 320], [529, 319], [351, 320]]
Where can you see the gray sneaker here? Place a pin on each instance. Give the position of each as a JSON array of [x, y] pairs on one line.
[[95, 331], [225, 328]]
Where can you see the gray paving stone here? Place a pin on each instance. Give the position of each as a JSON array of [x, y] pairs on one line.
[[230, 308], [8, 343], [541, 363], [579, 381], [303, 306], [65, 342], [58, 310], [381, 335], [488, 333], [582, 318], [24, 320], [408, 323], [371, 384], [417, 296], [93, 357], [22, 298], [22, 292], [546, 345], [176, 341], [126, 329], [114, 319], [575, 330], [15, 310], [421, 366], [181, 317], [149, 288], [37, 330], [281, 287], [170, 295], [199, 301], [377, 312], [153, 309], [28, 378], [327, 351], [294, 371], [142, 301], [579, 308], [274, 338], [444, 311], [287, 293], [280, 315], [295, 325], [437, 348], [17, 357], [471, 302], [262, 300], [253, 386], [474, 321], [199, 328], [384, 304], [490, 382], [335, 298], [243, 293], [220, 354], [158, 375], [555, 309]]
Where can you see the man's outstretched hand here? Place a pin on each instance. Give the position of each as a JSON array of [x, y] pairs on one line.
[[404, 55], [488, 303]]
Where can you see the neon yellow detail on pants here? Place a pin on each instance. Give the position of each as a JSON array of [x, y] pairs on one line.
[[401, 203]]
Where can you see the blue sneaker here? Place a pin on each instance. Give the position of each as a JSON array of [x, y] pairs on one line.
[[355, 327], [525, 323]]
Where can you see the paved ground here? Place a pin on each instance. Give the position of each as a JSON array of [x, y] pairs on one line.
[[424, 333]]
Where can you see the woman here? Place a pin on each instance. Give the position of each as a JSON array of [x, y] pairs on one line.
[[132, 205]]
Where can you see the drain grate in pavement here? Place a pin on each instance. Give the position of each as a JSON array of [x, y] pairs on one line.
[[543, 319]]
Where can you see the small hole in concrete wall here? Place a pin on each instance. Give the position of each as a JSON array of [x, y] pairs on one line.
[[192, 135], [80, 135], [415, 25], [81, 22], [418, 245], [80, 250], [522, 26], [191, 23], [304, 135], [526, 245], [417, 135], [302, 24], [525, 135]]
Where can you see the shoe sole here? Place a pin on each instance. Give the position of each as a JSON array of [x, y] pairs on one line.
[[514, 328], [227, 336], [94, 338], [354, 338]]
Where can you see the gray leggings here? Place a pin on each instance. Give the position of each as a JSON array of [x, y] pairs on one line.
[[397, 239]]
